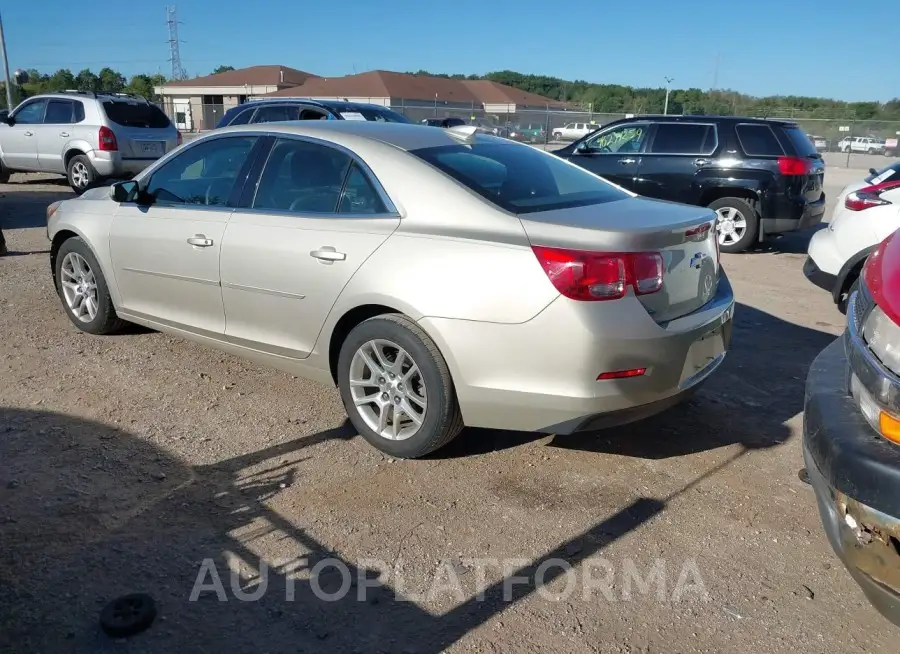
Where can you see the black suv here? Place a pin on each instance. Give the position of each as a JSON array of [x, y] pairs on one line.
[[275, 110], [762, 177]]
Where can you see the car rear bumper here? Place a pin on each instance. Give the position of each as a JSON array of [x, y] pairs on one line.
[[790, 216], [817, 276], [541, 375], [113, 164]]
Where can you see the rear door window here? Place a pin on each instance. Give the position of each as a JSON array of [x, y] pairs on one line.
[[243, 117], [276, 113], [135, 114], [59, 112], [759, 141], [678, 138]]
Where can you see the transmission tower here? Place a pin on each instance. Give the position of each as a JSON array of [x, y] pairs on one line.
[[174, 43]]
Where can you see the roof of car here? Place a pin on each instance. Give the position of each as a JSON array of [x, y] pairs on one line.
[[337, 105], [690, 119], [406, 136]]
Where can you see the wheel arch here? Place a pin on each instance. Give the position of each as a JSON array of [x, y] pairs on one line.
[[67, 232], [714, 193], [850, 271]]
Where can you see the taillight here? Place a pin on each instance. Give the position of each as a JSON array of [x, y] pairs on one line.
[[108, 141], [179, 139], [794, 166], [868, 197], [591, 276]]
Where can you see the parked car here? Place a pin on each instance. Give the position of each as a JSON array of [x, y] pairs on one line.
[[283, 109], [89, 137], [573, 131], [866, 144], [837, 254], [530, 133], [820, 143], [851, 433], [444, 122], [762, 177], [355, 253]]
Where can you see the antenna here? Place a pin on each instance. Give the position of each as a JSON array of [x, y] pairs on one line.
[[174, 49]]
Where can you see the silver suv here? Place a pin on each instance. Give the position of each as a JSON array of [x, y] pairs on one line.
[[84, 135]]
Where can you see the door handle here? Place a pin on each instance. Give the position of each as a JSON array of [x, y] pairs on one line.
[[327, 254], [626, 161], [702, 162], [28, 133], [63, 133], [200, 241]]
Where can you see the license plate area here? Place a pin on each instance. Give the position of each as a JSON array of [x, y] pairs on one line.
[[704, 356], [150, 148]]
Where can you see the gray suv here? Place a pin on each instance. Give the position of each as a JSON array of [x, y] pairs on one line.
[[84, 135]]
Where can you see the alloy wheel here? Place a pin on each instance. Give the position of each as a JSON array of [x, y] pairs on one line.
[[731, 225], [80, 175], [79, 287], [388, 389]]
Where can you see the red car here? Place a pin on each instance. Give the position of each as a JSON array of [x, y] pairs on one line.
[[851, 433]]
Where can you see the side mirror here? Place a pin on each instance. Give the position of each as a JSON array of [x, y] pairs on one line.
[[582, 148], [872, 171], [125, 191], [6, 118]]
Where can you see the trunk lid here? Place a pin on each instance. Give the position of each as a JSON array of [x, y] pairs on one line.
[[684, 235]]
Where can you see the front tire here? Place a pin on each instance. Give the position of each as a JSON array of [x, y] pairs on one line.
[[845, 297], [870, 151], [81, 174], [737, 224], [396, 387], [82, 288]]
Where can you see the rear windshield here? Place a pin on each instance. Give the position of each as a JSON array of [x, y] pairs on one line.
[[135, 114], [520, 179], [801, 142]]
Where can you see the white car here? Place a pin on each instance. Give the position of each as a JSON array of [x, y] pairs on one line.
[[573, 131], [865, 144], [867, 212]]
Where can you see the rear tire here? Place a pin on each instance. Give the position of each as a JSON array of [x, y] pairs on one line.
[[870, 151], [741, 221], [81, 174], [372, 353], [4, 174]]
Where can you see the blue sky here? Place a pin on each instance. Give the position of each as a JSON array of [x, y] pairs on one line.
[[764, 47]]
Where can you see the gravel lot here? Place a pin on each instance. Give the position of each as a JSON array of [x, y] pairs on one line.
[[127, 461]]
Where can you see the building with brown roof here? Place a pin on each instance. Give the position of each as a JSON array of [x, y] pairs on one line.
[[403, 91], [199, 103]]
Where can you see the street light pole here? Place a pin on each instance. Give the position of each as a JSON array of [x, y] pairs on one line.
[[9, 104], [668, 82]]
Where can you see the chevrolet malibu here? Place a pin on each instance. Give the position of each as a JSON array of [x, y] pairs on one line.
[[440, 278]]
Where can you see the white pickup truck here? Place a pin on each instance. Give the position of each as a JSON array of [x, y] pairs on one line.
[[866, 144], [573, 131]]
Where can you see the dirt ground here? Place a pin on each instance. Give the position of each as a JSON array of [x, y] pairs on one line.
[[128, 461]]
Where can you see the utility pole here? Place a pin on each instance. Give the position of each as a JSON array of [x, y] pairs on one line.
[[9, 102], [669, 81]]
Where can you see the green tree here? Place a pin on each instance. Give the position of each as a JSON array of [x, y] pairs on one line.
[[111, 81], [61, 80], [87, 81], [222, 69]]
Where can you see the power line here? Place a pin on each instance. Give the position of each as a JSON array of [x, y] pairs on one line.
[[174, 43]]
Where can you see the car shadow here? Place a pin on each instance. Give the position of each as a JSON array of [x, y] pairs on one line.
[[26, 209], [747, 401], [91, 512]]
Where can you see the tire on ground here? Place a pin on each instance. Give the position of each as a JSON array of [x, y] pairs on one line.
[[749, 213], [106, 321], [80, 166], [442, 420]]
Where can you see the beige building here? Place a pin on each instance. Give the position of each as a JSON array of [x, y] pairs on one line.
[[198, 104]]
